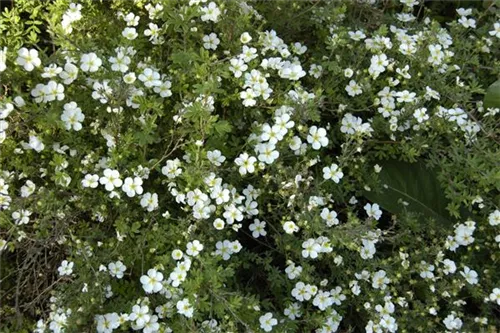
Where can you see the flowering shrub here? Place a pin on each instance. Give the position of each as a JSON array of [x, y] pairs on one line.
[[232, 166]]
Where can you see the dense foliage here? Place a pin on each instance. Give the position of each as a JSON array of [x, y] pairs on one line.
[[232, 166]]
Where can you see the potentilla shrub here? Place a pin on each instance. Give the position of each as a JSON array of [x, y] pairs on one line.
[[232, 166]]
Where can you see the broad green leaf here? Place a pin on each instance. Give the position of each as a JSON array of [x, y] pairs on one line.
[[410, 187], [492, 96]]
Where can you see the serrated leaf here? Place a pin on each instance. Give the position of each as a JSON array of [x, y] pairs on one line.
[[222, 127], [492, 96], [413, 184]]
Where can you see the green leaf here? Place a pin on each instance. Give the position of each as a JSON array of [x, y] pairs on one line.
[[222, 127], [492, 97], [413, 184]]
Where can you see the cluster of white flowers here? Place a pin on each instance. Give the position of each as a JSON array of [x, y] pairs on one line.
[[311, 248], [71, 15]]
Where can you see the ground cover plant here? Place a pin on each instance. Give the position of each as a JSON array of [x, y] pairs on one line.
[[249, 166]]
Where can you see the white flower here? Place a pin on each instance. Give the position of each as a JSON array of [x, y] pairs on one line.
[[238, 66], [131, 19], [21, 217], [316, 71], [494, 218], [293, 271], [427, 270], [150, 77], [496, 30], [130, 33], [221, 195], [28, 59], [129, 78], [464, 12], [470, 275], [353, 89], [223, 249], [51, 71], [3, 59], [248, 97], [172, 169], [357, 36], [373, 211], [449, 266], [409, 3], [317, 137], [378, 64], [464, 232], [210, 42], [467, 22], [107, 323], [120, 62], [3, 187], [218, 224], [258, 228], [69, 74], [132, 186], [151, 283], [154, 33], [194, 248], [245, 163], [348, 73], [232, 213], [267, 152], [27, 189], [310, 249], [293, 311], [89, 62], [4, 125], [245, 38], [66, 268], [53, 91], [216, 157], [116, 269], [177, 254], [267, 322], [291, 71], [452, 323], [58, 322], [5, 201], [149, 201], [330, 217], [210, 12], [164, 89], [72, 116], [421, 115], [290, 227], [111, 179], [368, 249], [90, 181], [333, 172], [405, 96], [271, 134], [5, 110], [140, 314], [283, 124], [323, 300], [36, 144], [380, 280], [495, 295], [184, 308]]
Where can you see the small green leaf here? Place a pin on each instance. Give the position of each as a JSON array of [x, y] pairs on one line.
[[492, 97], [410, 187], [222, 127]]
